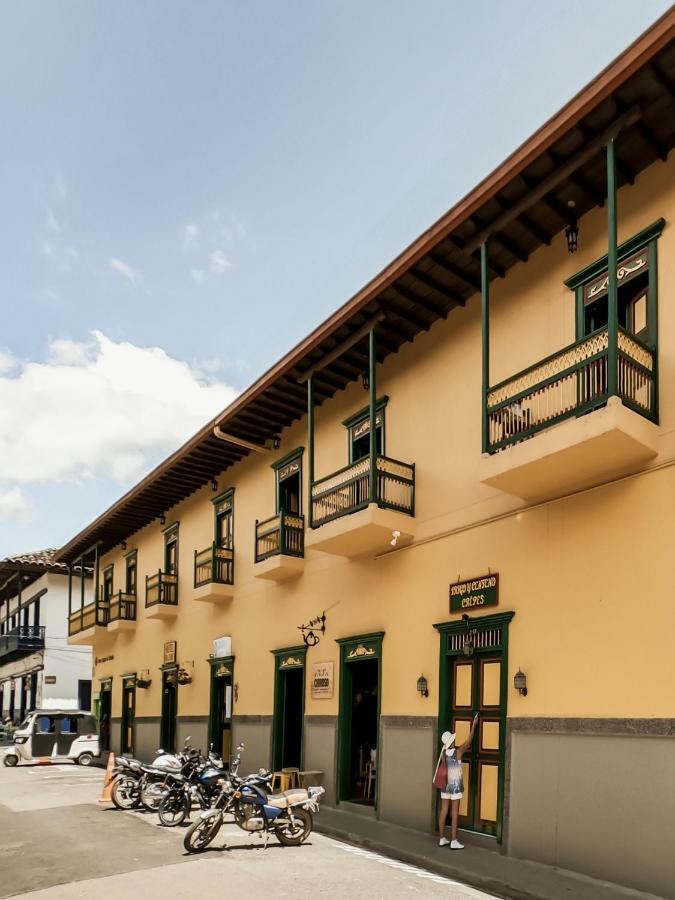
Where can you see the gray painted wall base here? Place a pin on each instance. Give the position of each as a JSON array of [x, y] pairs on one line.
[[406, 769], [256, 734], [596, 803], [321, 752], [194, 727]]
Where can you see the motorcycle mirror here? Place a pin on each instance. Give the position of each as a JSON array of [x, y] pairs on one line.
[[188, 739]]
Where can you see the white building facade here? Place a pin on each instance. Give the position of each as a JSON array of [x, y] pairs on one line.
[[38, 670]]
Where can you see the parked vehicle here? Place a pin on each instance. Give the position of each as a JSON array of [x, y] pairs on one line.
[[198, 782], [288, 815], [59, 734]]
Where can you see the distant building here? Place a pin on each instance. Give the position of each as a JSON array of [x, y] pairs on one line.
[[37, 667]]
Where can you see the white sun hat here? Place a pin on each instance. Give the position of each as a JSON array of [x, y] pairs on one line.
[[448, 739]]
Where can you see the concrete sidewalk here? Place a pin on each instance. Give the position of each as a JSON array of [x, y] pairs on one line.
[[503, 876]]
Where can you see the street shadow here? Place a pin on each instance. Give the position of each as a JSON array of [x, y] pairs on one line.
[[228, 848]]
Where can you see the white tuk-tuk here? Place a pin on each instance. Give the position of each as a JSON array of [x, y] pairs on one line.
[[57, 734]]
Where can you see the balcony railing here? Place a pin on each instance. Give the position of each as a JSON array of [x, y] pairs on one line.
[[348, 490], [122, 607], [215, 565], [570, 383], [20, 641], [87, 617], [282, 535], [161, 588]]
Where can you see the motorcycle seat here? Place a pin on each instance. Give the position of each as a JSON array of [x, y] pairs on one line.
[[282, 801]]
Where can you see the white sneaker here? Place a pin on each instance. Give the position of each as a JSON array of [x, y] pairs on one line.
[[443, 842], [455, 845]]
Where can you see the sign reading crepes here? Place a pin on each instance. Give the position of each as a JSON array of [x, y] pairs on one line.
[[474, 593], [322, 681]]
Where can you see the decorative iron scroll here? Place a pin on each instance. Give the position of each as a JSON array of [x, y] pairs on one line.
[[309, 631]]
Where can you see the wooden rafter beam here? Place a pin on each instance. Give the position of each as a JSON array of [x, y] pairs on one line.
[[238, 442], [434, 308], [437, 286], [455, 271], [337, 352], [563, 171]]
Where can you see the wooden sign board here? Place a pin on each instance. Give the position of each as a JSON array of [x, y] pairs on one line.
[[169, 652], [474, 593], [322, 681]]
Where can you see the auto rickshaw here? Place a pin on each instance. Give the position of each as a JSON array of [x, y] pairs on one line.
[[57, 734]]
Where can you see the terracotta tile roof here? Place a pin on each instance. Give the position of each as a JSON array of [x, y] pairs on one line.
[[44, 558]]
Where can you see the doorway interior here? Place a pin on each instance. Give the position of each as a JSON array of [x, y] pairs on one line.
[[167, 733], [359, 722], [104, 713], [220, 716], [289, 708], [128, 715]]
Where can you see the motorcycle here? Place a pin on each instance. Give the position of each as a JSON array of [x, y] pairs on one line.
[[288, 816], [136, 784], [196, 783]]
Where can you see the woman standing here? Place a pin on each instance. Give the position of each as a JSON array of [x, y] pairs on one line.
[[448, 777]]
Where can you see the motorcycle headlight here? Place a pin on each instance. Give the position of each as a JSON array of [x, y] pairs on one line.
[[20, 739]]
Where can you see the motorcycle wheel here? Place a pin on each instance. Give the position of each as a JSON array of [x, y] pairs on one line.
[[124, 793], [173, 808], [200, 834], [151, 796], [292, 834], [11, 760]]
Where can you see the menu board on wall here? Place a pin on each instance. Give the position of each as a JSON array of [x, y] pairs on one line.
[[322, 680]]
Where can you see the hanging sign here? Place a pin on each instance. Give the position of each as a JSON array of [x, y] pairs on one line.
[[322, 681], [50, 679], [474, 593], [169, 653]]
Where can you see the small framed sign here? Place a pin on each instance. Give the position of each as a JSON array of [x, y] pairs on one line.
[[50, 679], [169, 653], [322, 681], [474, 593]]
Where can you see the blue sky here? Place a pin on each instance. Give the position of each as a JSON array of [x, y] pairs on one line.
[[190, 187]]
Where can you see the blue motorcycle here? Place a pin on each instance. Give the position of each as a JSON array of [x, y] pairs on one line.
[[288, 816]]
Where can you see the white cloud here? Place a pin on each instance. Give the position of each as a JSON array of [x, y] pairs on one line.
[[132, 275], [14, 505], [51, 223], [190, 234], [219, 262], [99, 408], [198, 276], [7, 362], [60, 187]]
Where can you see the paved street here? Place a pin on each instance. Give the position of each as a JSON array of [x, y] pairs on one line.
[[57, 844]]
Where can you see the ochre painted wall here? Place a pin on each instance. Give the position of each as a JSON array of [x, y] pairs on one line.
[[589, 577]]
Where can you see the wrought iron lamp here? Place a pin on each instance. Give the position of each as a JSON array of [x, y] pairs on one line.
[[520, 683], [469, 643], [365, 380], [572, 230], [423, 686]]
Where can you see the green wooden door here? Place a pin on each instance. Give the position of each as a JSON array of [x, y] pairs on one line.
[[471, 683]]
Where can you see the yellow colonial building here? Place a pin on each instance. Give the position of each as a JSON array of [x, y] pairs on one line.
[[454, 496]]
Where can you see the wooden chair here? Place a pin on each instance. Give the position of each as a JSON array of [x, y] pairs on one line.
[[293, 774], [281, 781], [371, 776]]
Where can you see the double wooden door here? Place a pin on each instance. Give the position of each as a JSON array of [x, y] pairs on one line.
[[476, 686]]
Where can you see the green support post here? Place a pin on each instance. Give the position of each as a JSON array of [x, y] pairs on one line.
[[81, 585], [310, 449], [70, 591], [485, 330], [97, 588], [372, 362], [612, 300]]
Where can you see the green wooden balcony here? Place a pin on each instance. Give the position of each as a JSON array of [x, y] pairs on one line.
[[161, 594], [350, 519], [121, 611], [583, 434], [213, 573], [83, 622], [280, 547]]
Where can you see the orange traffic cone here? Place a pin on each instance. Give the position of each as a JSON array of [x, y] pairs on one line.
[[108, 780]]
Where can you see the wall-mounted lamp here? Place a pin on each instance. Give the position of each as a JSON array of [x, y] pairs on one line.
[[162, 519], [520, 683], [365, 380], [276, 441], [214, 485], [423, 686], [469, 643], [395, 535], [572, 229], [124, 545]]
